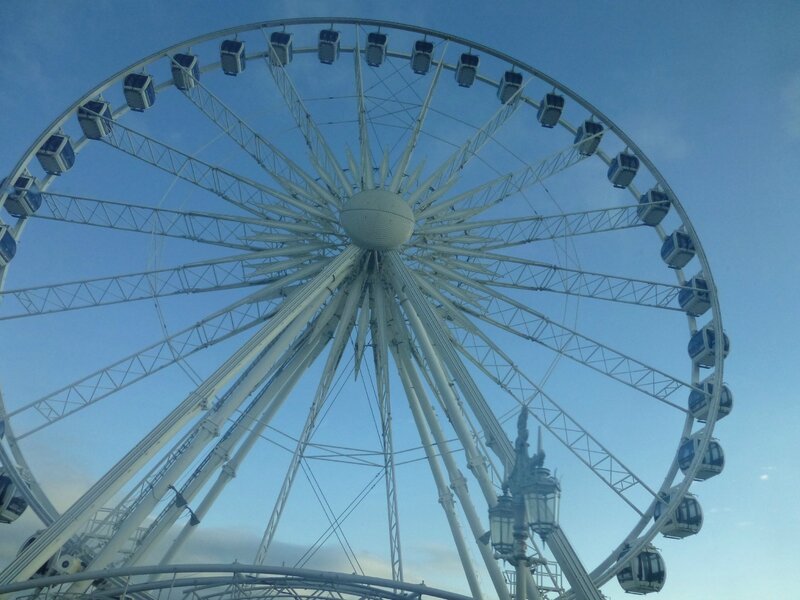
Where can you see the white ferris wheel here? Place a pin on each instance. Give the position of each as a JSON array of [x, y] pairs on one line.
[[308, 279]]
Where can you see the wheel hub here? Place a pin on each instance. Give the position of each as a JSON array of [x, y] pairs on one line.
[[377, 219]]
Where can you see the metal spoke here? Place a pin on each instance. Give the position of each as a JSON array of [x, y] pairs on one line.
[[240, 191], [344, 327], [495, 364], [486, 195], [529, 275], [524, 230], [446, 174], [321, 154], [212, 275], [229, 231], [266, 154], [367, 181], [219, 326], [402, 164], [515, 317]]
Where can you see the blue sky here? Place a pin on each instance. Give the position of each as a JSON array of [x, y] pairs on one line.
[[711, 92]]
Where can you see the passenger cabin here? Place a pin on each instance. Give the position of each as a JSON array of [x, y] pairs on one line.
[[653, 207], [677, 249], [550, 110], [185, 71], [95, 119], [623, 169], [694, 297], [421, 57], [24, 198], [328, 46], [685, 521], [510, 83], [8, 245], [57, 154], [376, 48], [700, 401], [703, 343], [140, 91], [232, 57], [281, 50], [588, 137], [467, 69], [12, 503], [711, 464], [643, 573]]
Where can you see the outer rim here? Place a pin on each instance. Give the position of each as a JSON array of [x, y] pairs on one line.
[[607, 568]]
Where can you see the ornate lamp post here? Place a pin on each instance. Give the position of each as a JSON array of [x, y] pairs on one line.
[[533, 503]]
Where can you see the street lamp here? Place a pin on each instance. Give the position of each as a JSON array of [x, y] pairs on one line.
[[532, 504]]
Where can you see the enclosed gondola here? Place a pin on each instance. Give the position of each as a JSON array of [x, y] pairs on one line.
[[421, 57], [694, 297], [550, 109], [185, 71], [467, 69], [700, 401], [703, 344], [375, 53], [653, 207], [281, 49], [588, 136], [8, 245], [12, 502], [712, 462], [677, 249], [24, 197], [328, 46], [643, 573], [508, 86], [623, 169], [139, 90], [95, 119], [685, 521], [232, 57], [57, 154]]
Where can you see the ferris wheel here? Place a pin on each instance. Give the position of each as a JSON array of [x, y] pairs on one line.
[[312, 278]]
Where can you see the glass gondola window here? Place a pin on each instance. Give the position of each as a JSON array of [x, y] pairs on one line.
[[694, 297], [328, 46], [376, 48], [8, 245], [421, 57], [185, 71], [509, 85], [139, 90], [24, 199], [653, 207], [95, 117], [550, 110], [623, 169], [57, 154], [467, 69], [232, 57], [281, 50], [588, 137]]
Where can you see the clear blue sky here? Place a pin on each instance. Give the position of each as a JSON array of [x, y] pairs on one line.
[[711, 91]]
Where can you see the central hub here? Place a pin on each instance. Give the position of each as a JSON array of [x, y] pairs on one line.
[[377, 220]]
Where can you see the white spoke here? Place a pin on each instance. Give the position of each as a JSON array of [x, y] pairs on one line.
[[402, 164], [240, 191], [219, 274], [321, 153], [367, 181], [209, 228], [215, 328], [266, 154], [520, 274]]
